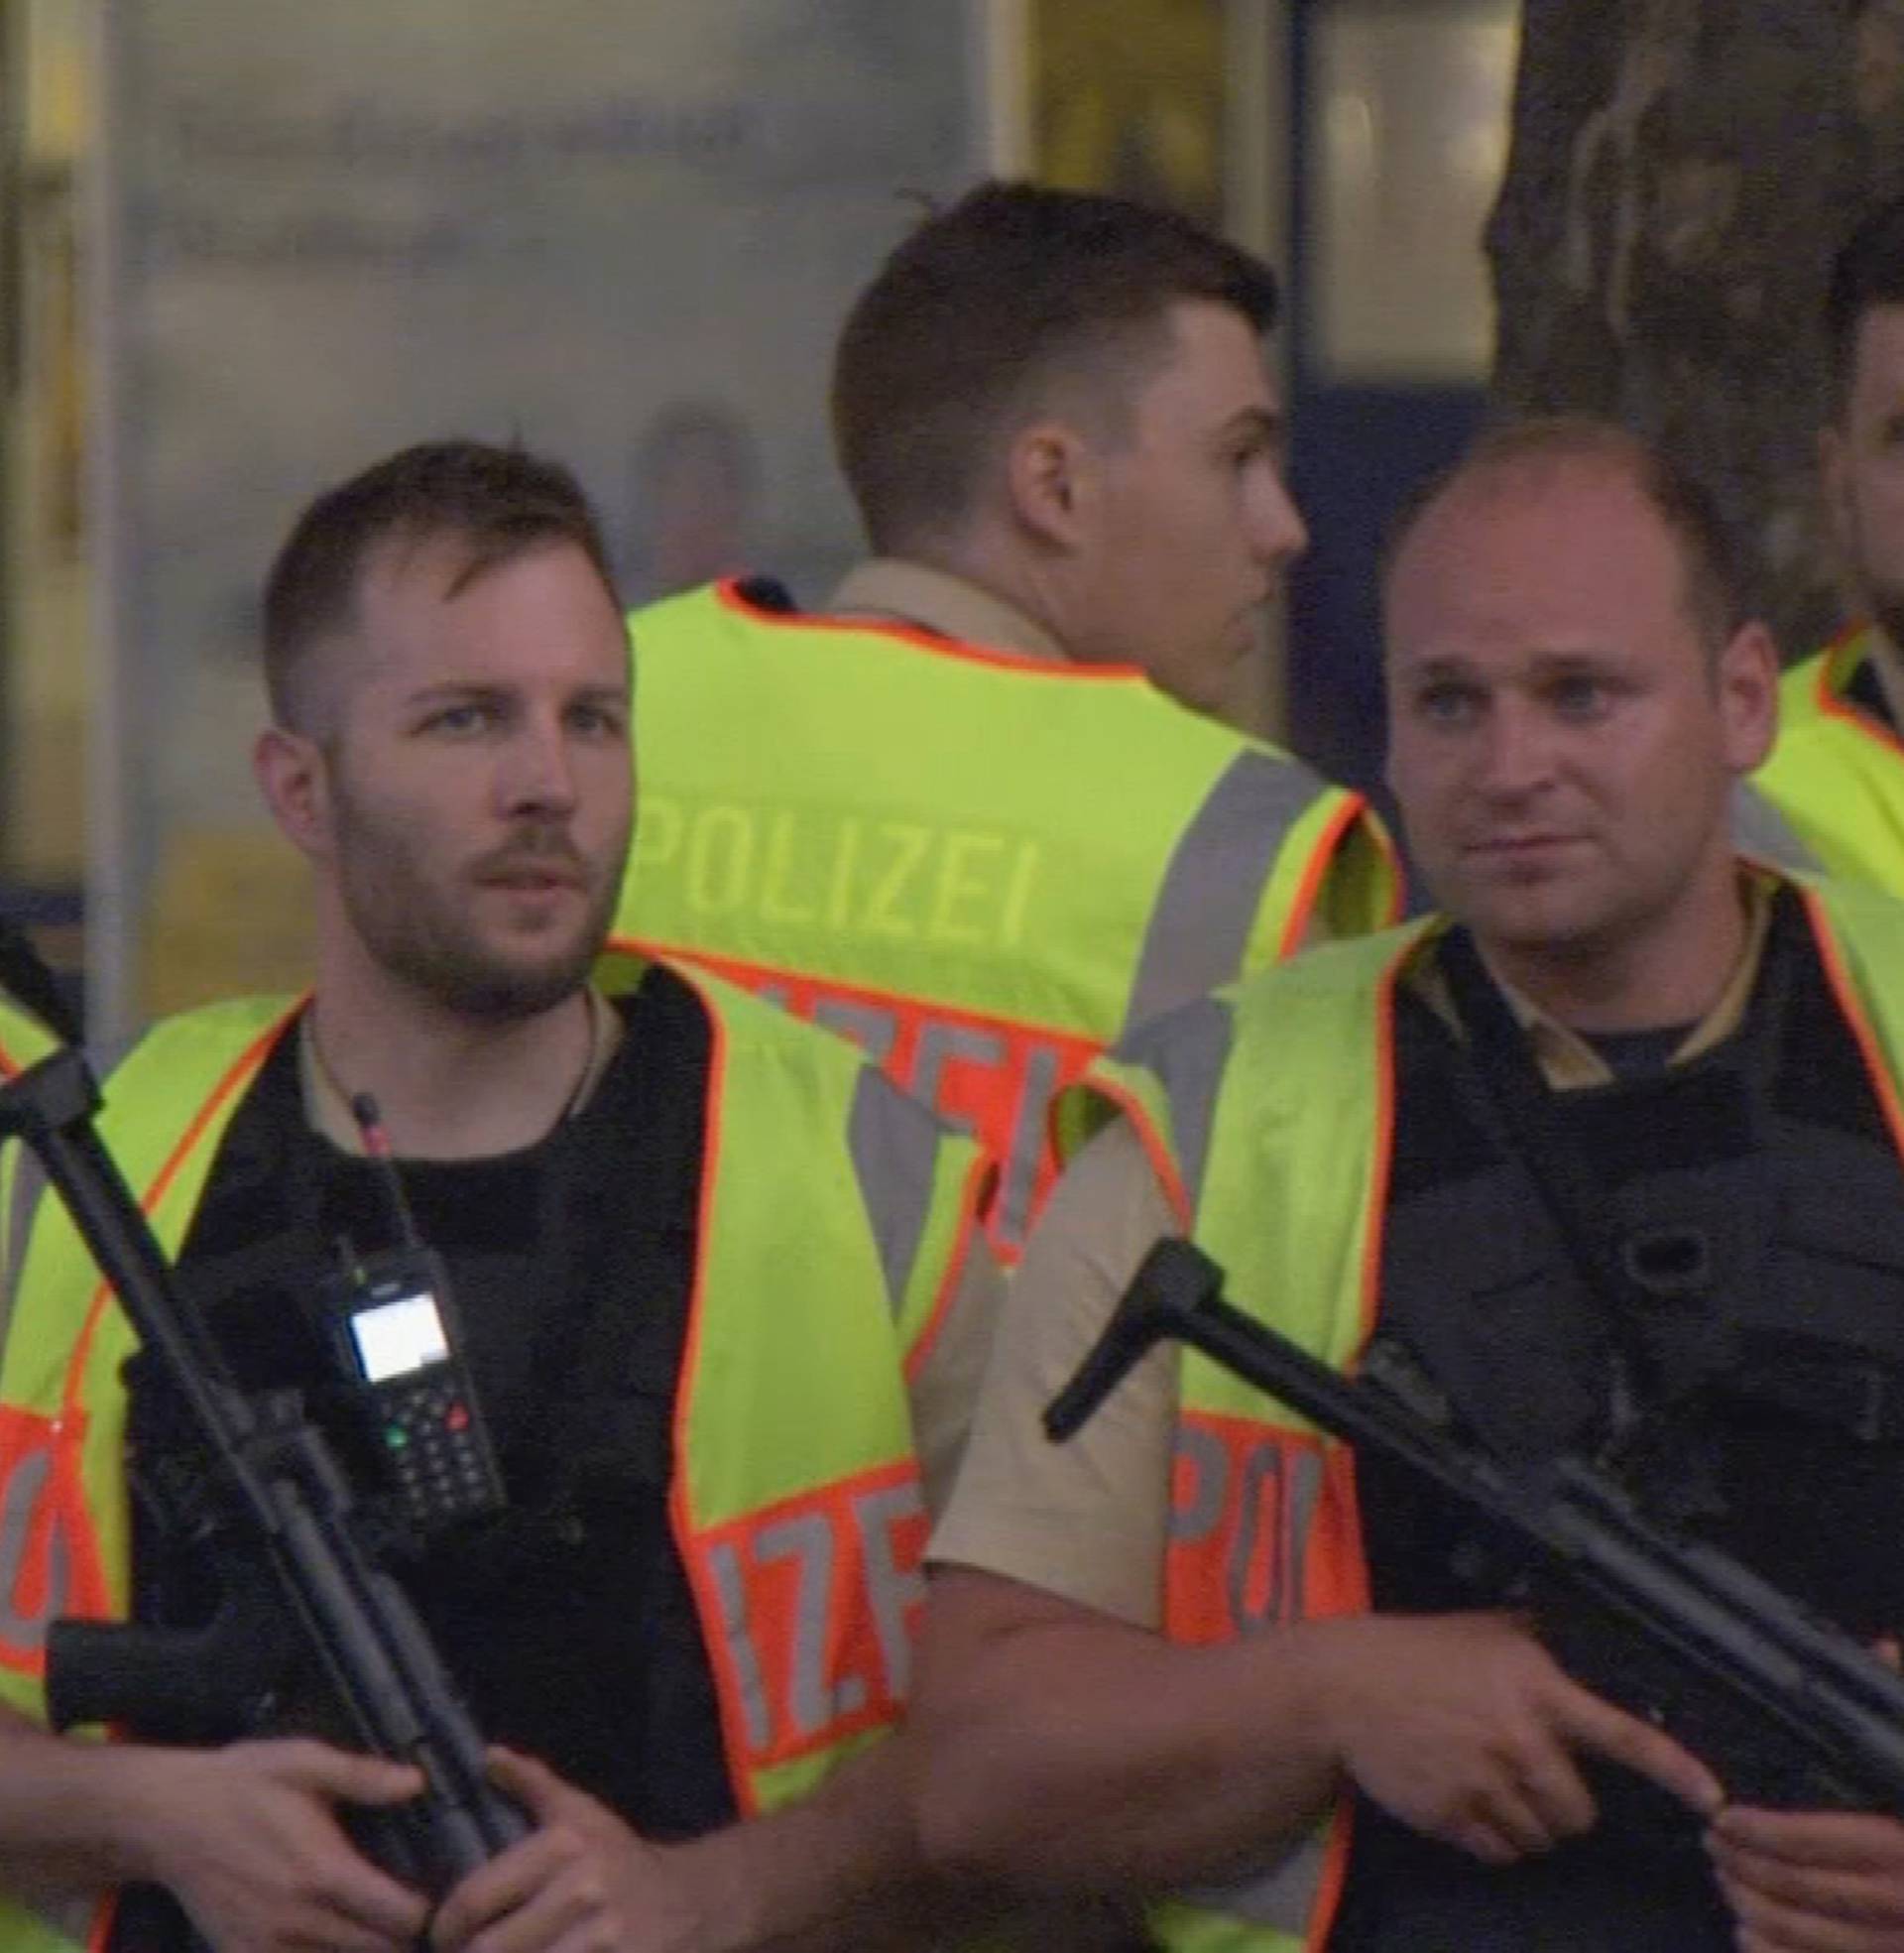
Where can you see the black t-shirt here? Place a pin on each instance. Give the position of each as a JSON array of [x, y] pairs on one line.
[[1867, 693], [568, 1623]]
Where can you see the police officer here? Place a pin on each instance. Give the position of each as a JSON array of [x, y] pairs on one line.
[[976, 816], [1197, 1646], [1832, 795], [665, 1215]]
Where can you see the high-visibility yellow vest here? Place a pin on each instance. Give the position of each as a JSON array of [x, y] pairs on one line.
[[982, 867], [24, 1040], [1836, 777], [1268, 1114], [835, 1217]]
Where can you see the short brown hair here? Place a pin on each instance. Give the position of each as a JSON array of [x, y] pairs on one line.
[[1708, 552], [1867, 272], [499, 502], [983, 308]]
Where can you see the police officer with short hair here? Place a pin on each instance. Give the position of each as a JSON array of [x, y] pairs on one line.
[[978, 815], [668, 1215], [1611, 1149]]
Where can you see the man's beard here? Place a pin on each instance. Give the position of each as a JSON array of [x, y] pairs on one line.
[[422, 933]]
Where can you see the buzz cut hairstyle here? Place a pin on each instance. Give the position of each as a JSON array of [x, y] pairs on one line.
[[1708, 550], [499, 503], [986, 311], [1867, 272]]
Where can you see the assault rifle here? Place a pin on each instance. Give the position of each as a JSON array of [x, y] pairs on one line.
[[1785, 1709], [274, 1483]]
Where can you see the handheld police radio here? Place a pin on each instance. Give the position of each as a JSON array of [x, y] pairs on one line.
[[394, 1329]]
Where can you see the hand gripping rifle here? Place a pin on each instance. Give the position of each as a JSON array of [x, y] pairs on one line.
[[278, 1485], [1787, 1710]]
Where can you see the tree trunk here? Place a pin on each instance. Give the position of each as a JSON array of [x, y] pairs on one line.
[[1680, 175]]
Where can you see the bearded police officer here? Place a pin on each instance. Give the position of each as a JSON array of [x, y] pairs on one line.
[[1193, 1646], [666, 1218], [976, 816]]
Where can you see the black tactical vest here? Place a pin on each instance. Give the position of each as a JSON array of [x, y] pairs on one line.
[[1695, 1276], [568, 1622]]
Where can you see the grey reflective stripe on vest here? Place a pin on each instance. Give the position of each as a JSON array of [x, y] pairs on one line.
[[18, 1503], [1187, 1051], [809, 1545], [1199, 928], [23, 1207], [1282, 1899], [894, 1143], [730, 1589], [1759, 828], [1293, 1483]]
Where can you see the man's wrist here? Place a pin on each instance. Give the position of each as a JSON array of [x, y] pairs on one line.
[[92, 1811], [720, 1906], [1311, 1688]]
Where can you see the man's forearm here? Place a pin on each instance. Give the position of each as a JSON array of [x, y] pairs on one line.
[[840, 1870], [1070, 1751], [69, 1813]]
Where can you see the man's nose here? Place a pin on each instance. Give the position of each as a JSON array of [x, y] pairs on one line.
[[539, 771], [1517, 748], [1279, 534]]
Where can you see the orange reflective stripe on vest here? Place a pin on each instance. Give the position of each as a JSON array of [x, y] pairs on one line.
[[818, 1602], [986, 1077], [1252, 1540]]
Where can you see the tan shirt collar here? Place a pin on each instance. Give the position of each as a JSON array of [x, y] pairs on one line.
[[1567, 1060], [911, 593]]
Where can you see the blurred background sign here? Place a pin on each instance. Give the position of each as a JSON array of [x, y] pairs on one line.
[[624, 235]]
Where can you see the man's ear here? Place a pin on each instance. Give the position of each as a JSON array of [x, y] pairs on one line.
[[1051, 479], [295, 779], [1747, 679]]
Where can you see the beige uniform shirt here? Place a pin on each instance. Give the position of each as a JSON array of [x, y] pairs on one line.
[[1086, 1519], [948, 606]]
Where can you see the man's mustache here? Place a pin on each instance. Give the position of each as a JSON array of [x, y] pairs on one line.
[[539, 849]]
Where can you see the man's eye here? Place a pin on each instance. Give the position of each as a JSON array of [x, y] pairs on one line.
[[471, 717], [1580, 697], [1449, 704], [599, 721]]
